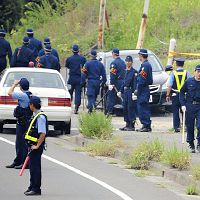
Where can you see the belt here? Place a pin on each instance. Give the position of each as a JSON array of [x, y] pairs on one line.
[[196, 103]]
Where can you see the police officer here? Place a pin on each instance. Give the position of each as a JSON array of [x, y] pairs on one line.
[[94, 72], [128, 88], [35, 44], [5, 50], [22, 55], [75, 63], [23, 114], [53, 51], [35, 137], [169, 69], [190, 102], [144, 79], [117, 72], [48, 61], [174, 85]]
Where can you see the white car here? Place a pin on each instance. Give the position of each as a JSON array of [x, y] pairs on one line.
[[47, 84]]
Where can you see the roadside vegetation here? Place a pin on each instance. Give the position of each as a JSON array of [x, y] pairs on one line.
[[95, 125], [76, 21], [192, 190]]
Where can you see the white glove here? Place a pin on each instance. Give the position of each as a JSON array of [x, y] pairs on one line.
[[69, 87], [119, 94], [110, 87], [183, 108], [134, 97]]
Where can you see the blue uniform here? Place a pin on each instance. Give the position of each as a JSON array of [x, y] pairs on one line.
[[49, 61], [35, 45], [128, 87], [5, 50], [191, 100], [35, 156], [117, 72], [53, 52], [94, 71], [22, 56], [176, 106], [75, 64], [21, 148], [144, 79]]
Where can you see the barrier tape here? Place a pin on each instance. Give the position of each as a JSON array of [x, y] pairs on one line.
[[172, 54]]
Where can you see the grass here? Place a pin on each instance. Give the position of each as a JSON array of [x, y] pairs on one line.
[[176, 158], [78, 23], [142, 173], [147, 151], [95, 125], [196, 172], [192, 190]]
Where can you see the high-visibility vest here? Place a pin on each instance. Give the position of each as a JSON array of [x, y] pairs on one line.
[[27, 135], [180, 82]]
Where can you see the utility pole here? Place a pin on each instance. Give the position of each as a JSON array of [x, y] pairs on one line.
[[102, 12], [143, 25]]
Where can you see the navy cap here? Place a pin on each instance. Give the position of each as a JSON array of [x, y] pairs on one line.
[[93, 53], [35, 100], [168, 68], [29, 31], [129, 59], [47, 48], [143, 52], [75, 48], [46, 41], [115, 51], [24, 83], [179, 61], [2, 32], [197, 68], [25, 40]]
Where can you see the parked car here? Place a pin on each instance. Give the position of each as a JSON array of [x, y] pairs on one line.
[[49, 85], [157, 89]]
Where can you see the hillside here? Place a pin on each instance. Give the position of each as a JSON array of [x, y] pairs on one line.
[[167, 19]]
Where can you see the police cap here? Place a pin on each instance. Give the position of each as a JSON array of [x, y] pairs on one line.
[[35, 100], [168, 68], [24, 83], [197, 68], [143, 52], [115, 51], [2, 32], [93, 53], [75, 48], [29, 31], [47, 48], [179, 61], [129, 59], [46, 40], [26, 40]]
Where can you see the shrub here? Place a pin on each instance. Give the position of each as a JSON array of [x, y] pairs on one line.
[[177, 158], [145, 152], [192, 190], [196, 172], [95, 125]]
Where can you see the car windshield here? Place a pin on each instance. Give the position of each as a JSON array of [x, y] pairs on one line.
[[36, 79], [156, 67]]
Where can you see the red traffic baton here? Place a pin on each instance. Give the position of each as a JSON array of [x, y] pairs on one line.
[[25, 164]]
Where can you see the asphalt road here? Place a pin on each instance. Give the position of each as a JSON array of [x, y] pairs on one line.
[[74, 176]]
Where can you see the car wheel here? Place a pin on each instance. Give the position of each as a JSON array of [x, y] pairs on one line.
[[66, 127], [1, 127]]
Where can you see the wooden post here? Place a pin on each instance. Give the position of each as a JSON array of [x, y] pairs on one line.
[[172, 47], [101, 24], [143, 26]]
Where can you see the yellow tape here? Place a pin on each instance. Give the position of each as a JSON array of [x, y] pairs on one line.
[[172, 54]]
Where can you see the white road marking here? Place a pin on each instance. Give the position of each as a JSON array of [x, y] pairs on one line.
[[79, 172]]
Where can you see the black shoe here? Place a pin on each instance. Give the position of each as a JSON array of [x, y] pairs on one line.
[[28, 190], [122, 129], [11, 166], [176, 130], [19, 166], [129, 128], [76, 110], [144, 129], [31, 193], [191, 147]]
